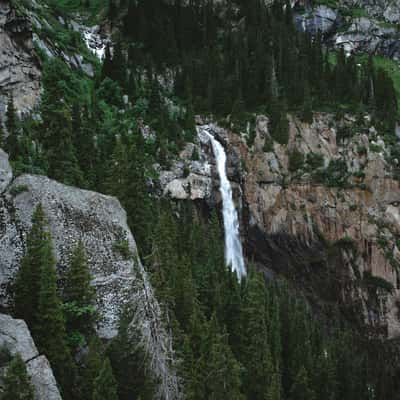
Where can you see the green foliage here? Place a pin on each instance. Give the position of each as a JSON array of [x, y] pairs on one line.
[[314, 161], [5, 356], [296, 160], [49, 331], [347, 243], [236, 340], [37, 301], [16, 383], [375, 148], [105, 384], [79, 295], [18, 189], [335, 175], [376, 282], [122, 247], [129, 363], [27, 284], [91, 366]]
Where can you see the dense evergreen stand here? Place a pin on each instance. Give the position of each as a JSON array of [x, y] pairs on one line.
[[235, 340]]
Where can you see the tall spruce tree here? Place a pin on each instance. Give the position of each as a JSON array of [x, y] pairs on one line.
[[256, 354], [105, 386], [223, 370], [27, 284], [78, 294], [92, 364], [49, 329]]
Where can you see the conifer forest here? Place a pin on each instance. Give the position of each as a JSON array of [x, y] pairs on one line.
[[199, 200]]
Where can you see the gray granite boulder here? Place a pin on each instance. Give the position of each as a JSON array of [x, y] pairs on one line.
[[120, 280], [73, 215], [16, 338]]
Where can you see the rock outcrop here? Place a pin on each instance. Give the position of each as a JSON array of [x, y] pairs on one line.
[[190, 178], [388, 9], [19, 70], [118, 275], [369, 36], [371, 30], [320, 19], [16, 338]]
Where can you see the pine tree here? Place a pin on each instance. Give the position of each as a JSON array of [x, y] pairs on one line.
[[129, 363], [256, 354], [301, 389], [92, 364], [105, 386], [56, 131], [49, 330], [307, 114], [223, 370], [274, 390], [16, 383], [78, 294], [27, 285]]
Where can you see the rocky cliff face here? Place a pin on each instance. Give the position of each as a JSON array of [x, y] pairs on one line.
[[322, 211], [118, 276], [16, 338], [346, 223], [19, 70], [364, 26], [388, 9]]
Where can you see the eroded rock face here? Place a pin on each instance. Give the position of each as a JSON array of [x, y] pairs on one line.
[[19, 70], [337, 241], [16, 338], [360, 220]]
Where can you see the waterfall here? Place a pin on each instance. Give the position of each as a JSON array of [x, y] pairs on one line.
[[233, 246]]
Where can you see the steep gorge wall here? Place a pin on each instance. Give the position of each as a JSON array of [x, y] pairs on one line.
[[340, 240], [335, 238]]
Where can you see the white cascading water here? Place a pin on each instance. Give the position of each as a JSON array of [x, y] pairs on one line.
[[233, 246]]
